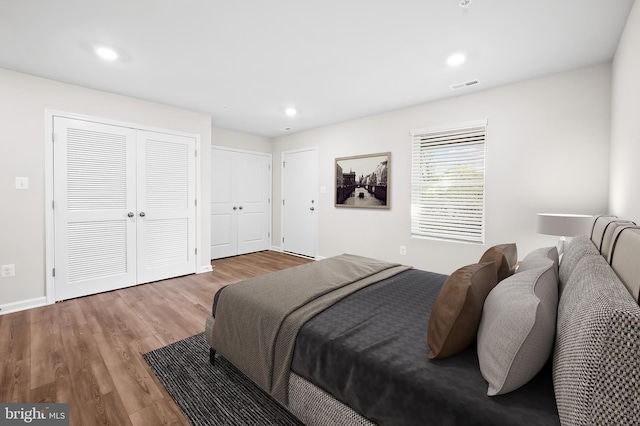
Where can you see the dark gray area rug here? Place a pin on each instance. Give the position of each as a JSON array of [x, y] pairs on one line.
[[213, 394]]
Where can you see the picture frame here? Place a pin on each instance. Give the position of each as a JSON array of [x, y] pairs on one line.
[[363, 181]]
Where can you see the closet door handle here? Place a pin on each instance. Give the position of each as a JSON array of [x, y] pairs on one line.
[[142, 214], [240, 207], [235, 208], [130, 214]]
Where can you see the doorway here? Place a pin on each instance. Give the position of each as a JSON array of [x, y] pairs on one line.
[[300, 202], [240, 202]]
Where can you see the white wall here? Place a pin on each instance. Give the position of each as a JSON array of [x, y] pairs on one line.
[[23, 102], [624, 199], [547, 151], [240, 140]]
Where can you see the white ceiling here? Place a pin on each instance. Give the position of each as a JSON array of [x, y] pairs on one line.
[[244, 61]]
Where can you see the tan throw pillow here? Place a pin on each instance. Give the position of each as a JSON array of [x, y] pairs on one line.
[[456, 313], [505, 257], [516, 334]]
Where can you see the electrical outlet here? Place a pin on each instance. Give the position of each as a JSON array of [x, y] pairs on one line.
[[22, 183], [8, 271], [403, 250]]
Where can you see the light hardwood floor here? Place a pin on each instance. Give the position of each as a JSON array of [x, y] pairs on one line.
[[88, 351]]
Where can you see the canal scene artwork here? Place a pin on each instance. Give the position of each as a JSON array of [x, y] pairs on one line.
[[363, 181]]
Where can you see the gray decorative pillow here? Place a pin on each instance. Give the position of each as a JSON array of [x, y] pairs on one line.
[[517, 329], [538, 257], [578, 247]]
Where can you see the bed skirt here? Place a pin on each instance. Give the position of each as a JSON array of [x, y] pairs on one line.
[[315, 407]]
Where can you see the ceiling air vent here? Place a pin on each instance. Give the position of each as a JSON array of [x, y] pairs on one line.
[[465, 84]]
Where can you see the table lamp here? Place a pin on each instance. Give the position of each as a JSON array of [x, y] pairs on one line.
[[563, 225]]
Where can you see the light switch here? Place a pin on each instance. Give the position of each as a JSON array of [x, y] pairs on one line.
[[8, 271], [22, 183]]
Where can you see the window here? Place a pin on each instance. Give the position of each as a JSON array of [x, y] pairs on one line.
[[447, 183]]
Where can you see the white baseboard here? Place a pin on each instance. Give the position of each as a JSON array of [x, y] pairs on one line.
[[297, 255], [279, 250], [22, 305], [204, 269]]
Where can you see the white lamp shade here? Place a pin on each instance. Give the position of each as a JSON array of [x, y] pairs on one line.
[[564, 225]]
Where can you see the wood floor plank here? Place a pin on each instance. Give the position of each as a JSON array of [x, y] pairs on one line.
[[108, 411], [149, 344], [46, 345], [15, 336], [45, 393], [90, 375], [123, 317], [99, 316], [70, 314], [162, 412], [15, 357], [88, 351], [168, 323], [14, 381], [128, 371]]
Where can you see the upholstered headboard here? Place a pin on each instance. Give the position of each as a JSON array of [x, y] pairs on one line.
[[597, 230], [618, 241], [624, 258], [595, 361], [604, 228]]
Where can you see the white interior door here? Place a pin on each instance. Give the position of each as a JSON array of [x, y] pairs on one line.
[[94, 195], [253, 197], [166, 228], [299, 211], [224, 220], [240, 202], [124, 207]]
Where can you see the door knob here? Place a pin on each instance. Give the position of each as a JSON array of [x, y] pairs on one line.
[[142, 214], [240, 207], [235, 208], [130, 214], [312, 209]]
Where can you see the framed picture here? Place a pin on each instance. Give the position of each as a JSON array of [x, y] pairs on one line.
[[363, 181]]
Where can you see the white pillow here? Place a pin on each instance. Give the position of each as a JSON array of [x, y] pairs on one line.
[[517, 329]]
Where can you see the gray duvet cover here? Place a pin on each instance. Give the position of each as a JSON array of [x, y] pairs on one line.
[[370, 352], [257, 320]]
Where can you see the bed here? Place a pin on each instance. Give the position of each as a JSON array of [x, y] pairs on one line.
[[357, 353]]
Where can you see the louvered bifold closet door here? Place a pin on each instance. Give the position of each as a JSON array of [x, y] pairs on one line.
[[94, 193], [166, 206]]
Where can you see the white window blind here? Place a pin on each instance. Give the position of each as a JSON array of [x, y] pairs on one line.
[[447, 188]]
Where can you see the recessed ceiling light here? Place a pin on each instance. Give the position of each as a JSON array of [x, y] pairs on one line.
[[290, 112], [456, 59], [106, 53]]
